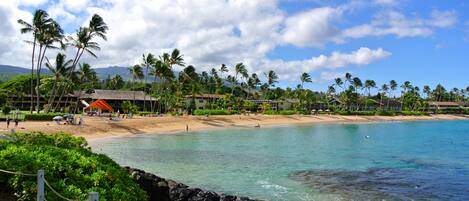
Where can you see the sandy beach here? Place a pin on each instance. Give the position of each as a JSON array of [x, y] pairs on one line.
[[101, 127]]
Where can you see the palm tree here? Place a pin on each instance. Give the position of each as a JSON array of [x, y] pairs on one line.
[[40, 20], [223, 69], [357, 85], [427, 91], [305, 77], [46, 38], [393, 86], [369, 84], [348, 78], [384, 91], [338, 82], [137, 73], [271, 78], [240, 68], [176, 58], [147, 62], [59, 70]]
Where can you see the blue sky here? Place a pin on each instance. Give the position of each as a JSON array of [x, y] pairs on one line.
[[425, 42]]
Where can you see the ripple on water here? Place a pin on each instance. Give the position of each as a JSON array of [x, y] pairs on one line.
[[386, 184]]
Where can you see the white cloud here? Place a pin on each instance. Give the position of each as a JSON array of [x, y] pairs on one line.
[[330, 75], [396, 23], [290, 70], [211, 32], [312, 28], [443, 19], [386, 2]]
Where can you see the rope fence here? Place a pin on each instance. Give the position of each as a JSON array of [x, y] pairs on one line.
[[41, 180]]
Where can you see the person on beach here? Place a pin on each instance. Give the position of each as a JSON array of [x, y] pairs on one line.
[[187, 128], [8, 122], [16, 122]]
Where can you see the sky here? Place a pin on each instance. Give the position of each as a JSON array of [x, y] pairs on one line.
[[423, 41]]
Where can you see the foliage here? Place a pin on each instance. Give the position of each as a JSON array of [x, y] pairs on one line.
[[128, 107], [6, 109], [70, 168], [214, 112], [42, 116], [282, 112]]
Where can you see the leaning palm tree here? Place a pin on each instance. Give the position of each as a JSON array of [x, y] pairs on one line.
[[240, 68], [305, 77], [176, 58], [223, 69], [59, 70], [147, 61], [369, 84], [137, 73], [384, 91], [272, 78], [52, 33], [40, 20]]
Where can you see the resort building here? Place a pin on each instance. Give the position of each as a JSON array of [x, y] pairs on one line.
[[445, 105], [203, 101], [69, 101], [116, 97], [277, 104]]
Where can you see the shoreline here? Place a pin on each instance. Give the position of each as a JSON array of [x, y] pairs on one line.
[[95, 128]]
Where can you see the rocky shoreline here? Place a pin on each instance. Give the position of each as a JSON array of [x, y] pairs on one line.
[[160, 189]]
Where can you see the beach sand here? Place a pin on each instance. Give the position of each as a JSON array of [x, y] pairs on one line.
[[101, 127]]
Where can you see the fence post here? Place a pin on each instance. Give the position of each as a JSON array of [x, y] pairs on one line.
[[93, 196], [40, 185]]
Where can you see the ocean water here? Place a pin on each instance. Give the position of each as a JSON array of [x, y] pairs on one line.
[[421, 160]]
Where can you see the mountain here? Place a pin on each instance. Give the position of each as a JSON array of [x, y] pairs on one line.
[[8, 71]]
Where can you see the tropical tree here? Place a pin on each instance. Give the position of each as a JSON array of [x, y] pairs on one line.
[[427, 91], [369, 84], [240, 69], [59, 69], [384, 90], [223, 69], [271, 78], [137, 73], [39, 22], [305, 77], [147, 62]]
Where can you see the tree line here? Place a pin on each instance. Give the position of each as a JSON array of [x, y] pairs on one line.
[[157, 76]]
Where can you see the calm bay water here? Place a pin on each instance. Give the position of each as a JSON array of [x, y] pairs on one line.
[[422, 160]]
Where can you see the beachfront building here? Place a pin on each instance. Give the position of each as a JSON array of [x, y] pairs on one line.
[[203, 101], [116, 97], [276, 104], [448, 107]]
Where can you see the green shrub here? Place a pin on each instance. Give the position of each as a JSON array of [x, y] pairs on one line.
[[42, 116], [386, 113], [282, 112], [214, 112], [129, 107], [70, 168], [6, 109], [413, 113]]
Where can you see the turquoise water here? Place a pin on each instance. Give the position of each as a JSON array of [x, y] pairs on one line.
[[421, 160]]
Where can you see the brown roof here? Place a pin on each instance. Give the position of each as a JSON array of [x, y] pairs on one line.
[[446, 103], [116, 95], [213, 96]]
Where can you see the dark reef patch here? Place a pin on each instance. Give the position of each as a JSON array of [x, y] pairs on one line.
[[387, 183]]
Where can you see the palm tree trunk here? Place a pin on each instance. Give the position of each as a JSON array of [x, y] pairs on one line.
[[51, 98], [32, 74], [144, 90], [39, 77]]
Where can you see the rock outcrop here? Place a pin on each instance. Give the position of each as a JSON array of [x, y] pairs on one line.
[[160, 189]]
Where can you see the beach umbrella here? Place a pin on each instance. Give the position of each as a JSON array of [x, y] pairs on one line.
[[57, 118], [67, 116]]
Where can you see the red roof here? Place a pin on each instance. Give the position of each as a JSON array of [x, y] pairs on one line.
[[100, 104]]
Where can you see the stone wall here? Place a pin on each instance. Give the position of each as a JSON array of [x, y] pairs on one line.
[[160, 189]]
